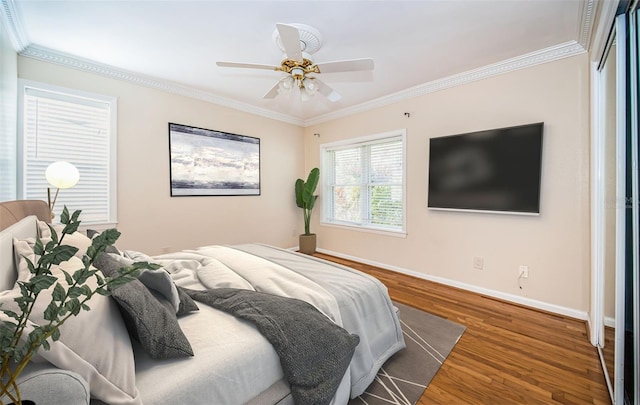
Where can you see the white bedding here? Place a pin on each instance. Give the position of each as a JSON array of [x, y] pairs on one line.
[[233, 363]]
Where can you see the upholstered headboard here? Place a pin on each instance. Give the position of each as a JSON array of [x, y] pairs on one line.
[[13, 211]]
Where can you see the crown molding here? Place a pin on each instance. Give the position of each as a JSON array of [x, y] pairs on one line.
[[10, 18], [60, 58], [550, 54], [587, 17]]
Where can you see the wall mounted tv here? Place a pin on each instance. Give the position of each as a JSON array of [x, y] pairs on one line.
[[488, 171]]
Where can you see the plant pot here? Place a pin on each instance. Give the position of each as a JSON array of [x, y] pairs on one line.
[[308, 243]]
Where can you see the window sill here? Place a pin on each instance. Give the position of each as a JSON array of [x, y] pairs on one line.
[[358, 228]]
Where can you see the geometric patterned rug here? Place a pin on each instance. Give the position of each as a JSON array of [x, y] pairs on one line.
[[404, 377]]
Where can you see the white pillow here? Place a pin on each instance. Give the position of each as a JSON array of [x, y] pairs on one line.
[[94, 344]]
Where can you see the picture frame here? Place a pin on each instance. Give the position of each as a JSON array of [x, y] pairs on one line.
[[207, 162]]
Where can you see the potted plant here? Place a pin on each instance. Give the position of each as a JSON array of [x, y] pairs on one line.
[[305, 199], [17, 345]]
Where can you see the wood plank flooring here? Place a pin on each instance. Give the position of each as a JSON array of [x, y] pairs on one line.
[[508, 354]]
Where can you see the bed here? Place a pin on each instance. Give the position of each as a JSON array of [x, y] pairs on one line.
[[233, 361]]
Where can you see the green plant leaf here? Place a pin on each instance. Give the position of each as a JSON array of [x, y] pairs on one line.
[[59, 293], [38, 248], [73, 306], [58, 255], [41, 282], [299, 187], [75, 292], [51, 312], [310, 186], [64, 216], [54, 234], [67, 277], [11, 314], [70, 228]]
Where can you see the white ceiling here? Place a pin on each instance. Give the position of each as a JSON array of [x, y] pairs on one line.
[[412, 42]]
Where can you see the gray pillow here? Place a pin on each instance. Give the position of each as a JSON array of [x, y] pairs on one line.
[[187, 304], [150, 318]]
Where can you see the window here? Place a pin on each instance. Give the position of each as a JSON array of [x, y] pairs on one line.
[[64, 124], [363, 182]]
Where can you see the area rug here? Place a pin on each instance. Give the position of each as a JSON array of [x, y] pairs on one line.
[[405, 376]]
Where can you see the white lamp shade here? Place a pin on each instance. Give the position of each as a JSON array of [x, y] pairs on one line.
[[62, 174]]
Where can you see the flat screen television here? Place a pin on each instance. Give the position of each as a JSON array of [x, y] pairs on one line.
[[488, 171]]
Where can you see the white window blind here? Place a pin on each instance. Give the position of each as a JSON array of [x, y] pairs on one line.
[[364, 183], [66, 125]]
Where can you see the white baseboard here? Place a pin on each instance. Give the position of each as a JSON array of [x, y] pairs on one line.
[[609, 322], [528, 302]]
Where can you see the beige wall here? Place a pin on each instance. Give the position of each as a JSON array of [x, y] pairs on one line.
[[149, 219], [555, 245]]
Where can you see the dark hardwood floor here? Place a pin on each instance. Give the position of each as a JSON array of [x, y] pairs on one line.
[[508, 354]]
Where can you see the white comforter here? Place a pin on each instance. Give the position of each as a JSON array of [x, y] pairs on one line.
[[233, 363]]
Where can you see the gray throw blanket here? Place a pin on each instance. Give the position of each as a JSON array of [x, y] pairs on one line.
[[314, 352]]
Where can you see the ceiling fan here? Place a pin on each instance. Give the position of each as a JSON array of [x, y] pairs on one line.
[[299, 42]]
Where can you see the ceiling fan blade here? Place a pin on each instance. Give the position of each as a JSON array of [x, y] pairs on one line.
[[273, 92], [327, 91], [246, 65], [346, 65], [290, 37]]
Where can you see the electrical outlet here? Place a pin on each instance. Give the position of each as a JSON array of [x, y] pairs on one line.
[[523, 271], [478, 262]]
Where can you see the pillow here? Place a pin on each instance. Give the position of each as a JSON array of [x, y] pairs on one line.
[[150, 318], [110, 371], [25, 228], [187, 304]]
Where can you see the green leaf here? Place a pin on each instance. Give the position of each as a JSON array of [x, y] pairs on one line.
[[70, 228], [59, 293], [50, 245], [103, 291], [55, 336], [75, 292], [38, 248], [64, 216], [299, 187], [54, 234], [51, 312], [11, 314], [81, 276], [30, 265], [67, 277], [58, 255], [73, 306], [41, 282]]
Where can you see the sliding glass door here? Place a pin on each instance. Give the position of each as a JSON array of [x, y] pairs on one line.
[[627, 351]]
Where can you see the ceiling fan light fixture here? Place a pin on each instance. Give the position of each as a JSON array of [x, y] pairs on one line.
[[309, 85], [285, 85], [305, 95]]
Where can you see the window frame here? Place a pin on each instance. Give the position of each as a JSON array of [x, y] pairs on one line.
[[326, 186], [65, 92]]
